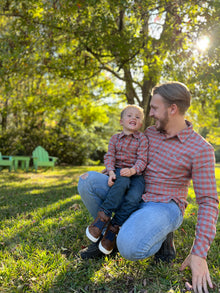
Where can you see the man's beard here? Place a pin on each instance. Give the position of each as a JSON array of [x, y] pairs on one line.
[[161, 124]]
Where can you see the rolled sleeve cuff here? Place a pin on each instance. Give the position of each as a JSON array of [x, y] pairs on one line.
[[138, 170], [200, 248], [110, 169]]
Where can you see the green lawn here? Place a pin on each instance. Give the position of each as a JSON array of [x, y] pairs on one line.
[[42, 215]]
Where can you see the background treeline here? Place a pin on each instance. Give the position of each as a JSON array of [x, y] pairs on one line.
[[67, 68]]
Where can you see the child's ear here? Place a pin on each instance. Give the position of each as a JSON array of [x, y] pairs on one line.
[[121, 123]]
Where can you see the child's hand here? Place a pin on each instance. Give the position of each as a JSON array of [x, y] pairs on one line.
[[111, 178], [127, 172]]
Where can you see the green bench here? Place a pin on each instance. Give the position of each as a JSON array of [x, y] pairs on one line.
[[42, 159], [6, 161]]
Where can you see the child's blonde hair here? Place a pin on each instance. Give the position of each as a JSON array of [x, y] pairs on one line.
[[133, 106]]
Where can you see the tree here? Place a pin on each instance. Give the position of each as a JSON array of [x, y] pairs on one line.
[[131, 40], [42, 102], [134, 43]]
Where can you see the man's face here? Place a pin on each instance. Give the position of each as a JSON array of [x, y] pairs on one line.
[[159, 111]]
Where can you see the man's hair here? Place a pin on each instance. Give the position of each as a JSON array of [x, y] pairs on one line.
[[133, 106], [174, 92]]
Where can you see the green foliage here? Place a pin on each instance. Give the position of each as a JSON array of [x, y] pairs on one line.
[[70, 134], [42, 217], [63, 62]]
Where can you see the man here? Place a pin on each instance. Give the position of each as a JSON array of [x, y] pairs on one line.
[[176, 155]]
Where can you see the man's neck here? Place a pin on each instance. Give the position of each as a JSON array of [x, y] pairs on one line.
[[175, 128]]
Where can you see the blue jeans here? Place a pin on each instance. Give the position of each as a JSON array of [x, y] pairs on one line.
[[123, 197], [143, 233]]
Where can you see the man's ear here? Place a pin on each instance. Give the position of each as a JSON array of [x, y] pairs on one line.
[[173, 109]]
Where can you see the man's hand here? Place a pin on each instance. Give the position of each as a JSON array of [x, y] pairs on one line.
[[127, 172], [111, 178], [200, 273]]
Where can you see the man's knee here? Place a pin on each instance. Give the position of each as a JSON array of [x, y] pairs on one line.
[[125, 248]]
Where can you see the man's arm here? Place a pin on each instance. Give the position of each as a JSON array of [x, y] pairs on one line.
[[203, 175], [204, 183]]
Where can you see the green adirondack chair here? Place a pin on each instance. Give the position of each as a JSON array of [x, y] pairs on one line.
[[42, 159], [6, 161]]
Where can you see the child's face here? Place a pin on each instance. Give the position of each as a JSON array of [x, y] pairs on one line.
[[131, 120]]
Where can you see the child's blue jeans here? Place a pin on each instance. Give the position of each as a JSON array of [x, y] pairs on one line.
[[123, 197]]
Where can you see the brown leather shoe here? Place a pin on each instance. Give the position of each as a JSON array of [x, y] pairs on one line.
[[107, 244], [94, 231]]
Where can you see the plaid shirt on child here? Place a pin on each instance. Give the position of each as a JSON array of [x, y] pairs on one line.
[[172, 163], [127, 151]]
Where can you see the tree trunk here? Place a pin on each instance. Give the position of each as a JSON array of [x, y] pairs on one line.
[[129, 90], [145, 104], [4, 113], [132, 96]]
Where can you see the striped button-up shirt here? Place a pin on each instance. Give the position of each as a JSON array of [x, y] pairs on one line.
[[172, 163], [127, 151]]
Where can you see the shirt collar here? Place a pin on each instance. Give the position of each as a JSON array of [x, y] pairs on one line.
[[185, 133], [135, 134]]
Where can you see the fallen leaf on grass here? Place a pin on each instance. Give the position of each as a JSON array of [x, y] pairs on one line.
[[183, 231], [75, 207]]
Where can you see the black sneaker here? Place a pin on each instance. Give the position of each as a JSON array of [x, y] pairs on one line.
[[167, 252], [92, 251]]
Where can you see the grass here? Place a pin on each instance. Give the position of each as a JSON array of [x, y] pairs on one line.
[[42, 215]]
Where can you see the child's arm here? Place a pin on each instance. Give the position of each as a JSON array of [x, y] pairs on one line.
[[111, 178], [109, 158], [127, 172], [142, 155]]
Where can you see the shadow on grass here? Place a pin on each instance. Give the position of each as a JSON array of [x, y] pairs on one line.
[[45, 213], [24, 200], [23, 193], [108, 274], [47, 227]]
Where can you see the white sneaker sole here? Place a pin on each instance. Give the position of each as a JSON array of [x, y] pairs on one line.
[[103, 250], [92, 238]]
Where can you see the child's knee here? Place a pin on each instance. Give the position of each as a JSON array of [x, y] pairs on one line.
[[84, 176]]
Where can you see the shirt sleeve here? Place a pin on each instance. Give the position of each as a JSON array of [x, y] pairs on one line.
[[109, 158], [142, 155], [203, 176]]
